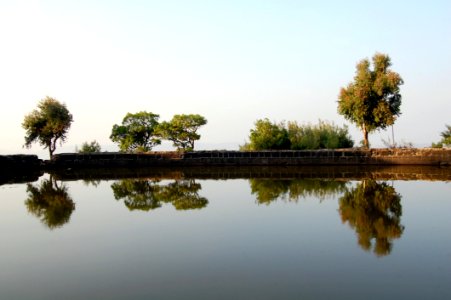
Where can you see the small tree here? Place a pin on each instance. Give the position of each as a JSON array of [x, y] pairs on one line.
[[182, 130], [268, 136], [446, 138], [47, 124], [137, 132], [373, 100], [91, 147]]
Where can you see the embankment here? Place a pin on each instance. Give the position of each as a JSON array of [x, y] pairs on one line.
[[346, 157]]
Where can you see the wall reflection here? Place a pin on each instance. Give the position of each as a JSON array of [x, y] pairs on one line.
[[50, 202], [374, 211], [139, 194]]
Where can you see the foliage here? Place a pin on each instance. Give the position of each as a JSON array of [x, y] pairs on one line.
[[50, 203], [148, 195], [278, 136], [446, 138], [372, 101], [47, 124], [268, 190], [268, 136], [91, 147], [374, 210], [324, 135], [182, 130], [137, 132]]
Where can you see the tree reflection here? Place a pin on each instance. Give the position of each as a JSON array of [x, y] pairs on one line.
[[137, 194], [374, 210], [268, 190], [50, 203], [149, 194]]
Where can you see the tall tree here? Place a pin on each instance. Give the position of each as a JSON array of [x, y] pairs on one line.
[[137, 132], [47, 124], [372, 101], [182, 130]]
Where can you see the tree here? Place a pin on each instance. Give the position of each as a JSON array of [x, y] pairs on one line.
[[91, 147], [182, 130], [446, 138], [137, 132], [268, 136], [372, 101], [47, 124]]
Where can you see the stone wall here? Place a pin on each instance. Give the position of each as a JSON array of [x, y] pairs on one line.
[[438, 157], [19, 168]]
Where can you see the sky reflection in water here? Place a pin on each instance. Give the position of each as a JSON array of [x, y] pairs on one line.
[[242, 239]]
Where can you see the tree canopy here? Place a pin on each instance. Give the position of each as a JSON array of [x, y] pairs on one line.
[[137, 132], [47, 124], [372, 101], [182, 130]]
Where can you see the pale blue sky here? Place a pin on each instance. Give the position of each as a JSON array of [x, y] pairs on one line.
[[231, 61]]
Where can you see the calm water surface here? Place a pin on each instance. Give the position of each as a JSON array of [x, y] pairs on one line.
[[225, 239]]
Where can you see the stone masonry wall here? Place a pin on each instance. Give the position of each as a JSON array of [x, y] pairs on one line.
[[408, 156]]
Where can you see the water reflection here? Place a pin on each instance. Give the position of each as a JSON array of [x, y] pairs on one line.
[[268, 190], [50, 203], [139, 194], [374, 211]]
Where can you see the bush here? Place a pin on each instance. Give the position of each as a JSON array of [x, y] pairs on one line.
[[272, 136], [324, 135], [91, 147], [446, 139], [268, 136]]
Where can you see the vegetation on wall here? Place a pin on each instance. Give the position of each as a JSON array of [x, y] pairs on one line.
[[446, 138], [137, 132], [47, 124], [294, 136], [182, 130], [372, 101], [91, 147]]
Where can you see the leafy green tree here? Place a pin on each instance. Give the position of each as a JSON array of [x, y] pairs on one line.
[[372, 101], [324, 135], [268, 136], [374, 210], [50, 203], [446, 138], [137, 132], [182, 130], [47, 125], [91, 147]]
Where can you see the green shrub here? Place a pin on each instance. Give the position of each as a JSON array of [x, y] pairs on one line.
[[91, 147], [279, 136]]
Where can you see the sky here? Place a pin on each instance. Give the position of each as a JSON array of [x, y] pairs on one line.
[[231, 61]]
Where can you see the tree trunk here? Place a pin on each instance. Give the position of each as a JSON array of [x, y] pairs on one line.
[[366, 143]]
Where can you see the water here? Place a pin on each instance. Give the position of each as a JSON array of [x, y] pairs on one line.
[[262, 237]]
